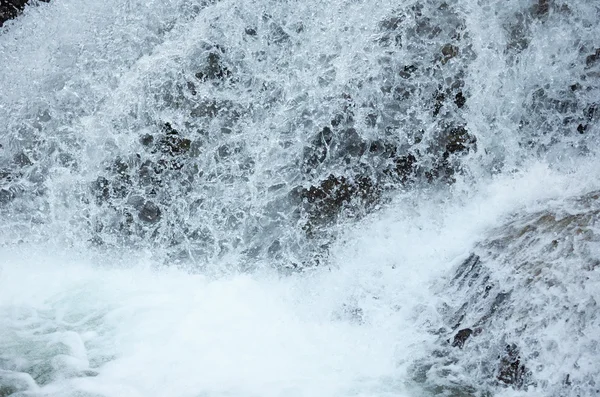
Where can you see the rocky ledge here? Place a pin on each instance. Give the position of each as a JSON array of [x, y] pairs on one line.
[[522, 310]]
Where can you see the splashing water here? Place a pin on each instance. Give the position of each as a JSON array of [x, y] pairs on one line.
[[205, 198]]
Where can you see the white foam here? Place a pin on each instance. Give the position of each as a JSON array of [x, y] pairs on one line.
[[351, 329]]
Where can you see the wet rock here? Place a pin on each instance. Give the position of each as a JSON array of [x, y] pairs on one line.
[[6, 196], [6, 175], [459, 141], [350, 144], [214, 69], [147, 140], [469, 269], [120, 167], [590, 112], [316, 153], [591, 60], [460, 100], [101, 188], [405, 168], [22, 160], [147, 172], [174, 148], [541, 8], [461, 337], [337, 145], [530, 286], [407, 71], [440, 97], [191, 88], [389, 28], [518, 34], [449, 51], [391, 23], [450, 93], [149, 212], [136, 201], [511, 371], [174, 145], [325, 201]]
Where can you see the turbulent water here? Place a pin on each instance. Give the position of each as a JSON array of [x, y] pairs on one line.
[[300, 198]]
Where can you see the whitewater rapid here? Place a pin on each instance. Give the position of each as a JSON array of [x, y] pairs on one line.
[[163, 230], [350, 329]]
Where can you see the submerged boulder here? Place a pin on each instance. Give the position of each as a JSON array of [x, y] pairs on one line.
[[525, 299]]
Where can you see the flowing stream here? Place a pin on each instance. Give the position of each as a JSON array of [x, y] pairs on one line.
[[276, 198]]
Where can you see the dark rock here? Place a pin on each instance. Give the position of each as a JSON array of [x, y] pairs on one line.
[[6, 196], [468, 269], [407, 71], [146, 173], [449, 51], [461, 337], [173, 145], [382, 149], [511, 371], [350, 144], [168, 129], [590, 112], [541, 8], [460, 100], [440, 97], [149, 212], [120, 167], [592, 59], [250, 31], [22, 160], [101, 188], [6, 175], [214, 70], [391, 23], [325, 201], [316, 153], [147, 140], [581, 128], [192, 88], [405, 167], [459, 140]]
